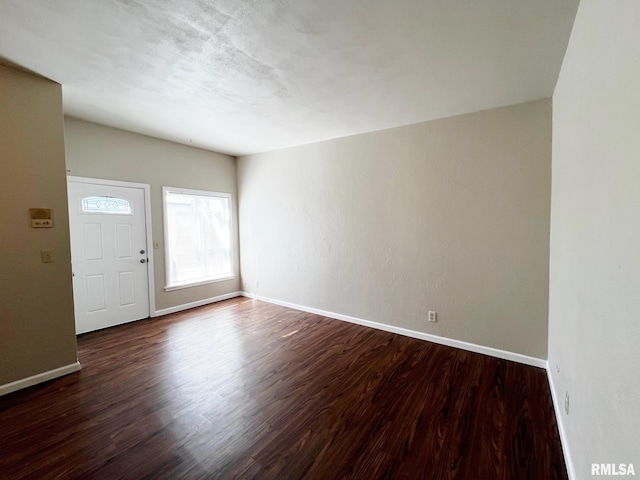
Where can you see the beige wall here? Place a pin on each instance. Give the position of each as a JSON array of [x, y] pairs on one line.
[[37, 330], [102, 152], [594, 304], [450, 215]]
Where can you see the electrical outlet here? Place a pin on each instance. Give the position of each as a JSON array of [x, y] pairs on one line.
[[433, 316], [257, 284], [566, 403], [46, 256], [558, 367]]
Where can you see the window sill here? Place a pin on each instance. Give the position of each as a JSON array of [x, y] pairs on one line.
[[169, 288]]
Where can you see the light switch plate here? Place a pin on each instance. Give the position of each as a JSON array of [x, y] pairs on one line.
[[46, 256]]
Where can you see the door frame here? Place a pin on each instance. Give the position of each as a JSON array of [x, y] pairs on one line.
[[147, 218]]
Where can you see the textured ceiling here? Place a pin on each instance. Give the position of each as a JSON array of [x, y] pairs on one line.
[[249, 76]]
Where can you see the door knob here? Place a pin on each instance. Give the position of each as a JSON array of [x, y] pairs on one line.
[[141, 251], [142, 260]]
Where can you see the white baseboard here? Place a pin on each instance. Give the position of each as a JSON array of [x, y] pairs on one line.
[[199, 303], [558, 402], [450, 342], [39, 378]]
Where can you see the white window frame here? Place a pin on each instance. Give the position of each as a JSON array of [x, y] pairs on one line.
[[205, 193]]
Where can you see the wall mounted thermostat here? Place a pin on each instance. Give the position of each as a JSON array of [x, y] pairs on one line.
[[41, 217]]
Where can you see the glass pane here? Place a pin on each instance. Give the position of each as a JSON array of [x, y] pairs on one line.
[[115, 205], [199, 240]]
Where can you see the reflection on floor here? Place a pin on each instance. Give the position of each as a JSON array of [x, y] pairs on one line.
[[244, 389]]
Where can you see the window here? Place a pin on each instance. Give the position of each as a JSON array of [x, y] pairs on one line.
[[113, 205], [197, 235]]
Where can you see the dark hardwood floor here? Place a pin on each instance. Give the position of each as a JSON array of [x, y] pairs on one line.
[[244, 389]]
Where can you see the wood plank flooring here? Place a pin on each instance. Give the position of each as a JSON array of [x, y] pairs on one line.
[[248, 390]]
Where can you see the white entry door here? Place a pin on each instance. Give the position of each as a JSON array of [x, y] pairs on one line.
[[108, 254]]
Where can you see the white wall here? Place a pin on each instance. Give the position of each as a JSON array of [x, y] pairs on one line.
[[37, 330], [450, 215], [102, 152], [594, 305]]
